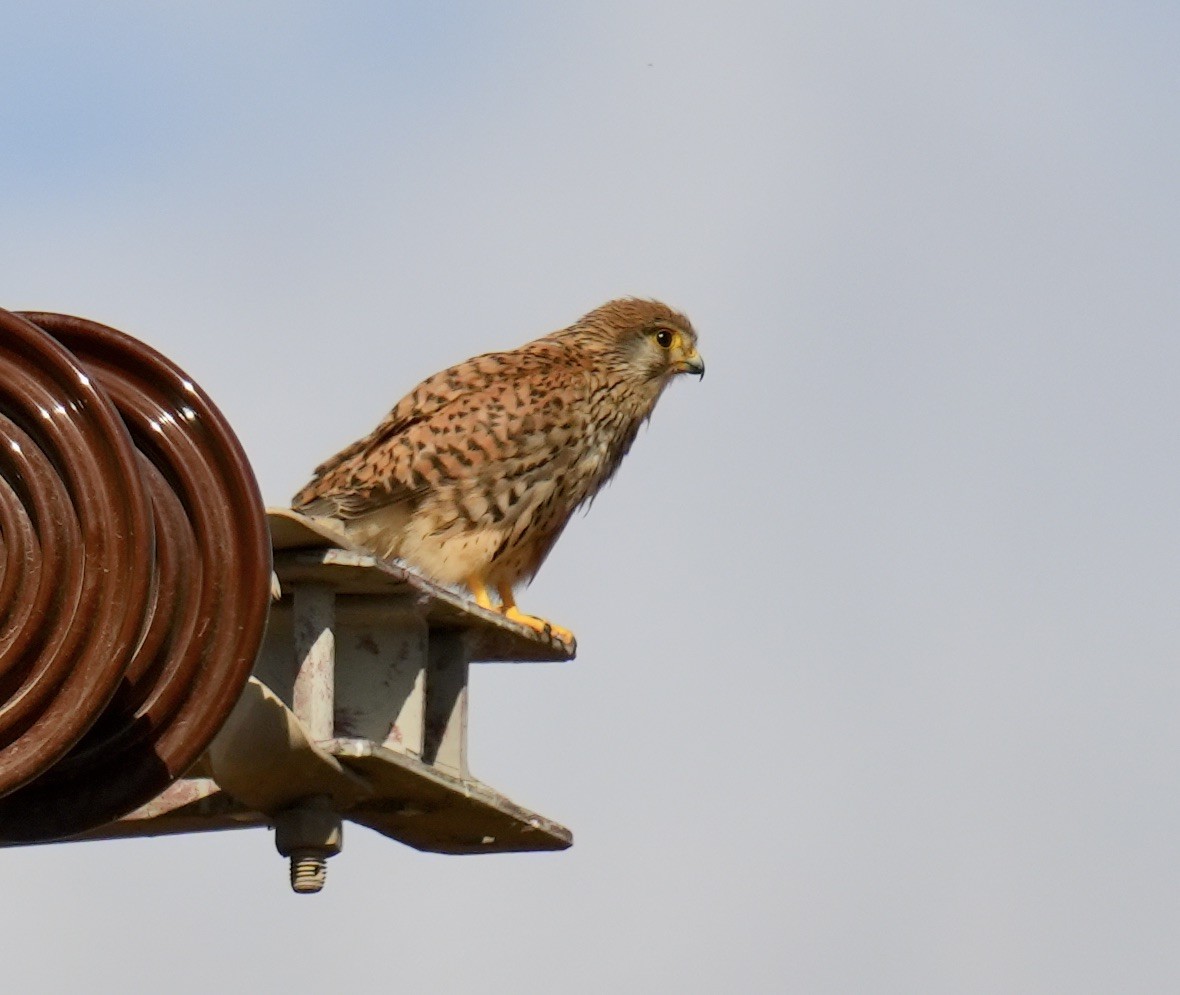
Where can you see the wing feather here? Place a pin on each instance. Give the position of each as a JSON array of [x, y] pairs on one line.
[[452, 426]]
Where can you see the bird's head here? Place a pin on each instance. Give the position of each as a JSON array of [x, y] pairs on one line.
[[645, 340]]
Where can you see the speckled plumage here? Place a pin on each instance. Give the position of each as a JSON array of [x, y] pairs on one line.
[[474, 474]]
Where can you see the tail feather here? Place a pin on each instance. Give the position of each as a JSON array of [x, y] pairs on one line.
[[381, 530]]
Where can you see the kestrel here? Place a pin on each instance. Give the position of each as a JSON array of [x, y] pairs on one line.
[[474, 474]]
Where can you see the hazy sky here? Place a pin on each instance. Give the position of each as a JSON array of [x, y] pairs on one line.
[[877, 686]]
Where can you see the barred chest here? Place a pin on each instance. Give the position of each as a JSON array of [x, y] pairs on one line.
[[606, 443]]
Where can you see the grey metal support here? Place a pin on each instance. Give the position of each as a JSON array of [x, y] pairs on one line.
[[357, 710], [446, 703], [381, 645], [314, 611]]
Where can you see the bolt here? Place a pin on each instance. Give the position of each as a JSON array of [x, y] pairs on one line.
[[308, 872], [308, 833]]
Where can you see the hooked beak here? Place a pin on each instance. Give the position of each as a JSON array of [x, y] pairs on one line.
[[692, 363]]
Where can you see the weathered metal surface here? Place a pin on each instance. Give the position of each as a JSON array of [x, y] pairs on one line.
[[429, 809], [314, 691], [406, 800], [76, 538], [198, 633], [380, 665], [267, 760], [445, 705], [190, 805], [383, 740]]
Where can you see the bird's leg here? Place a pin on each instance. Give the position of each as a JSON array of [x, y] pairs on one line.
[[514, 614], [480, 590]]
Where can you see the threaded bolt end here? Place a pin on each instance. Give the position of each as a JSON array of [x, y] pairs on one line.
[[308, 872]]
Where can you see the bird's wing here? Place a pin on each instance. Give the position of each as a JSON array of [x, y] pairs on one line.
[[446, 428]]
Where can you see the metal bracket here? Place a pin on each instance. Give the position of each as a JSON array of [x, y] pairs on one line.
[[357, 710]]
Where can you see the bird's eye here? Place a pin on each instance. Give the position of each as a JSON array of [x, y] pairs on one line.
[[664, 338]]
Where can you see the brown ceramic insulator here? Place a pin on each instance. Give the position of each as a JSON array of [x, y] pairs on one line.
[[205, 622], [75, 551]]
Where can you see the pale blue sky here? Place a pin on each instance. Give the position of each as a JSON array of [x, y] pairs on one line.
[[877, 683]]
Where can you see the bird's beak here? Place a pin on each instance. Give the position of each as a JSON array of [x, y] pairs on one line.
[[692, 363]]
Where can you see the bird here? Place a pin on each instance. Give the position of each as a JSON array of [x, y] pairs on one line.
[[474, 474]]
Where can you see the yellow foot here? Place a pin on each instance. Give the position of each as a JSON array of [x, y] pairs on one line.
[[514, 614], [480, 590]]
